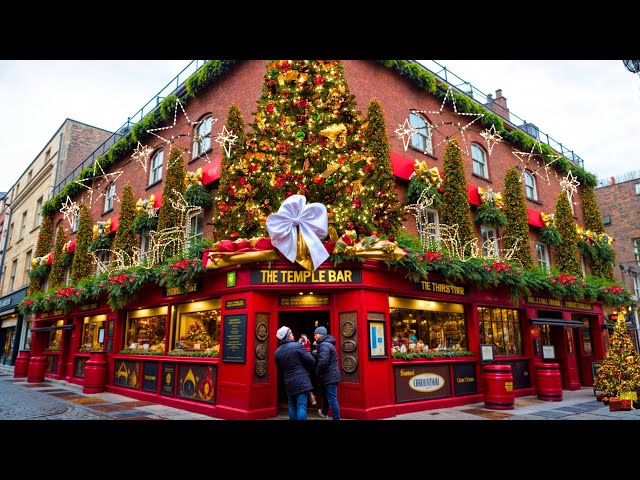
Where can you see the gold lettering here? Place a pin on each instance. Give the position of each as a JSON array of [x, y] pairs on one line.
[[332, 276], [347, 276], [406, 373], [322, 276]]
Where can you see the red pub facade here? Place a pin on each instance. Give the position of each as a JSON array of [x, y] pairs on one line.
[[368, 307]]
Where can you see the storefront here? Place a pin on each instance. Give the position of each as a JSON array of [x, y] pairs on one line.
[[12, 335], [403, 346]]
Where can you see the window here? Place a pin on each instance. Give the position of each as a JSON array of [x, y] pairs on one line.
[[530, 185], [17, 190], [146, 329], [47, 155], [144, 246], [14, 269], [421, 139], [30, 176], [636, 286], [23, 228], [108, 197], [75, 222], [10, 236], [198, 326], [637, 188], [479, 159], [501, 327], [583, 264], [55, 232], [67, 275], [38, 212], [489, 241], [202, 136], [27, 266], [103, 261], [93, 331], [542, 253], [636, 249], [432, 230], [195, 228], [155, 174], [55, 337], [27, 337], [606, 219], [426, 326]]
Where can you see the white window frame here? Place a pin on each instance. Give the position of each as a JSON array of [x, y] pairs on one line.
[[421, 140], [145, 243], [480, 167], [108, 197], [636, 249], [542, 254], [636, 286], [637, 188], [23, 228], [38, 220], [202, 130], [198, 218], [67, 275], [75, 222], [10, 235], [530, 186], [486, 233], [27, 266], [155, 168], [14, 270]]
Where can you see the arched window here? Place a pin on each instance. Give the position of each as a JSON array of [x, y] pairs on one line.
[[109, 196], [530, 185], [202, 136], [479, 159], [421, 139], [155, 172]]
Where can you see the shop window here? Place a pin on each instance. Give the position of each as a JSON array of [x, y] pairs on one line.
[[55, 337], [421, 138], [197, 326], [479, 159], [501, 327], [28, 336], [93, 331], [530, 185], [419, 325], [146, 329], [202, 136]]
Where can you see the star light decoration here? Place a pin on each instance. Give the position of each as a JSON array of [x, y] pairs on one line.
[[170, 141], [436, 127], [227, 139], [141, 155], [405, 131], [569, 184], [526, 159], [97, 181], [491, 137], [70, 210]]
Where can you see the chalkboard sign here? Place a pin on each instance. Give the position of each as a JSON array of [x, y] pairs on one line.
[[150, 377], [595, 366], [234, 338]]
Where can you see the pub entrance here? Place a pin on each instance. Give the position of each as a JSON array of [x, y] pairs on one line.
[[302, 321]]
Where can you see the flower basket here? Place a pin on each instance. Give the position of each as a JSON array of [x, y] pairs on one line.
[[614, 404], [626, 405]]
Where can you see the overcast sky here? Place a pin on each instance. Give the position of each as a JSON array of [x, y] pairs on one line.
[[591, 107]]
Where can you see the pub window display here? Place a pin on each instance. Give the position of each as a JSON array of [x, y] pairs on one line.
[[197, 327], [93, 333], [428, 327], [501, 327], [146, 333], [55, 337]]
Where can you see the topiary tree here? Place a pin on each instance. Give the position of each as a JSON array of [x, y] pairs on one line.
[[56, 278], [516, 232], [600, 253], [168, 216], [567, 252], [82, 266], [455, 196], [39, 272], [126, 239]]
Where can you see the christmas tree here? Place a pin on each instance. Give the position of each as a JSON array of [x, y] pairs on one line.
[[230, 201], [603, 256], [196, 334], [126, 239], [620, 370], [56, 278], [82, 266], [455, 196], [516, 233], [43, 246], [168, 216], [567, 251]]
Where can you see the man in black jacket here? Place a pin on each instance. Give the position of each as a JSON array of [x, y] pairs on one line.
[[328, 372], [294, 360]]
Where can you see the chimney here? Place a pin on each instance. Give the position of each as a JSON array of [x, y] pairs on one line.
[[500, 105], [613, 181]]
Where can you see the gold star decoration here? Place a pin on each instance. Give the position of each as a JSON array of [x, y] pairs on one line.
[[226, 139], [96, 183], [437, 126], [569, 184], [534, 161], [70, 209], [141, 155], [491, 137], [405, 131]]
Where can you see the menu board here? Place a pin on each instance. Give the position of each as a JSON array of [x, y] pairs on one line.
[[234, 338]]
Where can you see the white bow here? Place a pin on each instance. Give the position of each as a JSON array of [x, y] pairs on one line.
[[313, 222]]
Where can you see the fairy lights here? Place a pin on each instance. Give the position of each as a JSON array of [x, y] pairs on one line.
[[141, 155], [491, 137], [97, 181], [405, 131], [70, 210], [226, 139], [569, 184], [527, 158]]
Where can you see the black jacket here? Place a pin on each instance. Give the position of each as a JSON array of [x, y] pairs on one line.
[[294, 361], [327, 367]]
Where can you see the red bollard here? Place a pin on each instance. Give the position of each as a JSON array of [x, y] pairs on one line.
[[95, 373], [499, 381], [21, 368], [549, 382]]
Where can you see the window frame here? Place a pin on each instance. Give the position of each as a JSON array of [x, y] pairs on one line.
[[544, 249], [509, 317], [109, 195], [428, 137], [27, 266], [38, 219], [530, 184], [155, 171], [23, 228], [483, 162], [198, 147], [484, 231], [14, 272]]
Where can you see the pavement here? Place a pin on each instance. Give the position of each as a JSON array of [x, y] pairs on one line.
[[59, 400]]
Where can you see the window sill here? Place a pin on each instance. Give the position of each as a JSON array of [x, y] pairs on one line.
[[194, 159], [481, 177], [537, 202], [106, 211], [152, 184], [428, 154]]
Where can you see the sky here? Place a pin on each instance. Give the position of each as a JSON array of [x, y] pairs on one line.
[[589, 106]]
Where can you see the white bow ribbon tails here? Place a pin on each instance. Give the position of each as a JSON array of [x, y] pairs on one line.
[[297, 224]]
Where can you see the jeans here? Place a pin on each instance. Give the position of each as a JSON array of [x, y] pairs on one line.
[[298, 406], [330, 399]]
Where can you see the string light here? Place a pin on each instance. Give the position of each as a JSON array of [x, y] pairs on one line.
[[110, 178], [226, 139], [405, 131], [70, 210], [569, 184], [141, 155], [526, 158], [491, 137]]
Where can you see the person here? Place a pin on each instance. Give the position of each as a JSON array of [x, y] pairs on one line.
[[328, 372], [294, 361], [306, 343]]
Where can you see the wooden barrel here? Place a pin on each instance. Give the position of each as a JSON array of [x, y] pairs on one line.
[[499, 381], [549, 382]]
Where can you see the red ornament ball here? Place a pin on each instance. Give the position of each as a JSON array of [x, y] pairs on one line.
[[270, 108], [318, 180], [319, 80]]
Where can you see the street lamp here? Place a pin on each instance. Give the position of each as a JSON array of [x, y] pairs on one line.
[[632, 65]]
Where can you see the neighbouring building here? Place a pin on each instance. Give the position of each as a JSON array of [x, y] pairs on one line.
[[199, 333], [69, 146]]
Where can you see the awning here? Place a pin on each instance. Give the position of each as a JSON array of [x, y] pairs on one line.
[[556, 321], [49, 329], [611, 325]]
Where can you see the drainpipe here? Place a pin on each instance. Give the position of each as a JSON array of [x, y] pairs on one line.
[[55, 176], [7, 223]]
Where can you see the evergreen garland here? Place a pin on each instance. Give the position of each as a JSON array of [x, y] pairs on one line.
[[102, 242], [126, 239], [199, 196], [455, 195], [82, 266], [489, 214], [143, 223], [567, 253], [56, 279], [43, 246], [516, 232]]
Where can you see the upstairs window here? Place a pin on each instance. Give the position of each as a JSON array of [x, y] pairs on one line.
[[489, 241], [155, 173], [421, 139], [202, 136], [530, 186], [542, 254], [108, 197], [479, 159]]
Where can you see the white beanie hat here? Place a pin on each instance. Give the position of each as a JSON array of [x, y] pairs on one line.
[[282, 332]]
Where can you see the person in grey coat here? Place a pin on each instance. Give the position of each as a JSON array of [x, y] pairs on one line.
[[328, 372], [294, 361]]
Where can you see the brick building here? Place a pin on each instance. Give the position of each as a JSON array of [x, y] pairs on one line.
[[245, 305]]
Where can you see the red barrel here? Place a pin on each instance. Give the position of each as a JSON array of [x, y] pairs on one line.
[[549, 382], [499, 380], [95, 373], [21, 368], [37, 367]]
